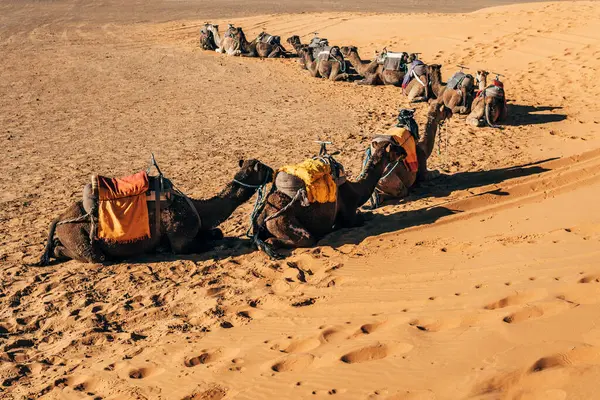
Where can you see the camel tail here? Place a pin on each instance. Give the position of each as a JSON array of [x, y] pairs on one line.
[[45, 259]]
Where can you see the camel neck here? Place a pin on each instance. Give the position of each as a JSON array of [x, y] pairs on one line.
[[436, 84], [217, 37], [366, 183], [215, 210], [428, 140], [357, 63]]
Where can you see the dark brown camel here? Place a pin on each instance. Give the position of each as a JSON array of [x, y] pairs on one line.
[[332, 68], [398, 183], [180, 228], [303, 226], [373, 72], [207, 40]]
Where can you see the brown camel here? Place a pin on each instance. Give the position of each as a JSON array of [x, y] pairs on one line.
[[264, 46], [373, 72], [489, 106], [207, 40], [397, 183], [329, 64], [457, 94], [180, 227], [303, 225], [416, 84]]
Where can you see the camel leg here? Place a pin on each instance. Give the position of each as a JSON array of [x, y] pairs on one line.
[[275, 53], [290, 233], [340, 77], [417, 93], [474, 119], [368, 80], [76, 245]]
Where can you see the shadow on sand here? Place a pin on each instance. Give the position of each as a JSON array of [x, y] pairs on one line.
[[519, 115]]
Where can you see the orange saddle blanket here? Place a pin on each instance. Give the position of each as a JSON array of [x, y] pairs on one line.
[[122, 208]]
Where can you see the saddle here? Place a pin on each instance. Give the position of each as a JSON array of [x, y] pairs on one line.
[[269, 39], [119, 206], [457, 79], [496, 89], [318, 44], [327, 52], [392, 61], [416, 68], [320, 176]]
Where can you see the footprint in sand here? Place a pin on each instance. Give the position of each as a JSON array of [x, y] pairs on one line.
[[295, 362], [144, 372], [590, 279], [302, 345], [539, 310], [435, 325], [211, 356], [516, 299], [374, 352], [334, 334]]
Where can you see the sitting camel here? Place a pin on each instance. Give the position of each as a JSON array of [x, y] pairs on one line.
[[264, 46], [376, 73], [416, 84], [226, 44], [396, 183], [329, 64], [207, 40], [295, 42], [457, 93], [183, 228], [302, 225], [489, 105]]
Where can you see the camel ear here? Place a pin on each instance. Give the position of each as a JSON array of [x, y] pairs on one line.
[[257, 167], [240, 163]]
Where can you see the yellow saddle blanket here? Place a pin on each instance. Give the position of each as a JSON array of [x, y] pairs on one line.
[[316, 175], [404, 138]]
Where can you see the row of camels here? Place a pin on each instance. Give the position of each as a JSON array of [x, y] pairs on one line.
[[281, 219], [483, 102]]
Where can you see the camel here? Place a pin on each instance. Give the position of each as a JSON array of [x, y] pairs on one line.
[[226, 44], [416, 84], [333, 67], [489, 105], [457, 93], [183, 229], [397, 183], [373, 72], [264, 46], [294, 41], [207, 41], [303, 225]]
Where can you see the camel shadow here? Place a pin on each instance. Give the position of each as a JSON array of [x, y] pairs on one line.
[[519, 115], [377, 224]]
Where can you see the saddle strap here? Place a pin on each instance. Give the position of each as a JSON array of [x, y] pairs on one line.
[[157, 190]]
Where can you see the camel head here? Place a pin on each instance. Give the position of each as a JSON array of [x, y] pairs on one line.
[[412, 57], [212, 27], [336, 53], [253, 173], [293, 40], [435, 72], [347, 50], [481, 76], [238, 33], [438, 111], [386, 152]]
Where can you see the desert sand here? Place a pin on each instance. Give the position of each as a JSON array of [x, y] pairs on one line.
[[483, 284]]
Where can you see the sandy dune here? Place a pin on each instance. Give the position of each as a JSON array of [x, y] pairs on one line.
[[483, 284]]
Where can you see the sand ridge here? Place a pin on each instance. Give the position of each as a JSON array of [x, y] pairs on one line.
[[483, 284]]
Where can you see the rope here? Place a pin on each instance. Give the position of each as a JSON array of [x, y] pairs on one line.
[[300, 193]]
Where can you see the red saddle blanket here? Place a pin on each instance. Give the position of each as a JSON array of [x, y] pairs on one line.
[[122, 208]]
